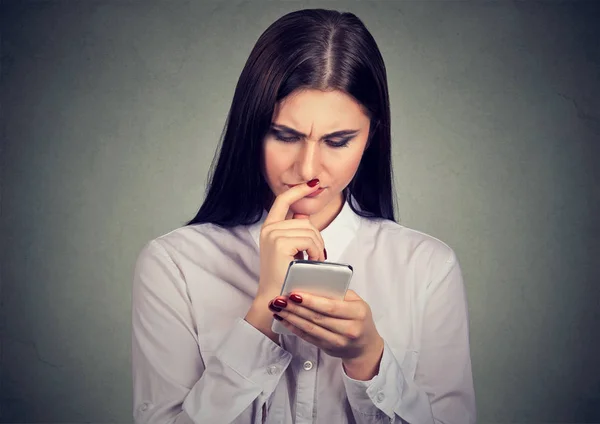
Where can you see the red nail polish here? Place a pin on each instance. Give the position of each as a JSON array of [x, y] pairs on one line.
[[296, 298], [313, 183], [280, 303], [273, 308], [325, 253], [277, 317]]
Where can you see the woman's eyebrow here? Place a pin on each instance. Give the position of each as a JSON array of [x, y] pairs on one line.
[[299, 134]]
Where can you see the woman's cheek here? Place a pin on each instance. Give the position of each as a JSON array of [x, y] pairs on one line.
[[351, 166]]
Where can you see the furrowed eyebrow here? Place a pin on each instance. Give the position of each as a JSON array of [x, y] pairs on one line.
[[334, 134]]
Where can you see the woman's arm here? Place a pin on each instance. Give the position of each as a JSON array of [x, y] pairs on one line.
[[171, 382], [442, 390]]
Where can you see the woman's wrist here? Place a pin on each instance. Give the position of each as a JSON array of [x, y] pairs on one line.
[[365, 367], [261, 318]]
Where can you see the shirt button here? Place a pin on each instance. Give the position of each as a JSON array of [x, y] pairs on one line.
[[380, 397], [307, 365], [272, 370], [144, 407]]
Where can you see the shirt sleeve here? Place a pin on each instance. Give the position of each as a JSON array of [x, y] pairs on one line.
[[171, 381], [442, 390]]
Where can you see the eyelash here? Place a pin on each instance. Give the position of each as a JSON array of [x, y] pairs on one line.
[[339, 144]]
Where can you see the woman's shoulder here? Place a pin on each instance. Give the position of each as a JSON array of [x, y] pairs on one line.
[[200, 239], [407, 241]]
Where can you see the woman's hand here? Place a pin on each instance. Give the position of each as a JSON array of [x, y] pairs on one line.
[[342, 328], [281, 241]]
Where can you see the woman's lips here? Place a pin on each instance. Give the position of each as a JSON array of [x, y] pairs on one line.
[[315, 193], [294, 185]]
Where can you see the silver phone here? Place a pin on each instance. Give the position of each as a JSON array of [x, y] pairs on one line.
[[326, 279]]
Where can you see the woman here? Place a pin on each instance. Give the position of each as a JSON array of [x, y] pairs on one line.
[[304, 166]]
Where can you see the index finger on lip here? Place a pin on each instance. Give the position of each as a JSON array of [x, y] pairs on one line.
[[282, 203], [330, 307]]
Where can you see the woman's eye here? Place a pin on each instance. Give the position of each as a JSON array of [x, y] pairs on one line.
[[340, 143], [290, 139], [293, 139]]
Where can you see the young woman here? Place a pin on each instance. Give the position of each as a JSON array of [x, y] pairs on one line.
[[304, 169]]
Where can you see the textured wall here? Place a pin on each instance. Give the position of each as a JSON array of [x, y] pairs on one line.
[[111, 111]]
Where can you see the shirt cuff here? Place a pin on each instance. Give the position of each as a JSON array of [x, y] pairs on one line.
[[380, 393], [253, 355]]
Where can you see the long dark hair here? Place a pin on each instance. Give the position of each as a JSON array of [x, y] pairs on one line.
[[307, 49]]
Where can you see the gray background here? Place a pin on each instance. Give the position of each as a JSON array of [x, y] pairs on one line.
[[111, 112]]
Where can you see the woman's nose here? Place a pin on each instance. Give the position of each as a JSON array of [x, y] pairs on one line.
[[309, 161]]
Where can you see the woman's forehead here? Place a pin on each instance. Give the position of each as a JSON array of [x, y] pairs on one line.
[[320, 111]]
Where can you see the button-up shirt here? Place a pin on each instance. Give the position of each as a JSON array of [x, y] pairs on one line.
[[196, 360]]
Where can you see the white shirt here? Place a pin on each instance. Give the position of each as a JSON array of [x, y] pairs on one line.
[[196, 360]]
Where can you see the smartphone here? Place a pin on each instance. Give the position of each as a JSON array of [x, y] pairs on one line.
[[326, 279]]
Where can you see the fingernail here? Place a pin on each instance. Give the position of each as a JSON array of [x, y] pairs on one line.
[[280, 303], [325, 253], [313, 183], [296, 298], [277, 317], [273, 308]]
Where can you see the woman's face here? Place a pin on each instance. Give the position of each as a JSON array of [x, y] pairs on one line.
[[315, 134]]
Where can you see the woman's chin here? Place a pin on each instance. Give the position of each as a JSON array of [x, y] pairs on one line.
[[307, 206]]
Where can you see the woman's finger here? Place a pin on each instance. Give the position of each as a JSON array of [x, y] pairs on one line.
[[288, 237], [335, 325], [351, 296], [293, 233], [293, 224], [282, 203], [310, 331], [342, 309], [294, 245]]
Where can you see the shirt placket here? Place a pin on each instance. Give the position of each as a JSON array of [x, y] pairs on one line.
[[306, 363]]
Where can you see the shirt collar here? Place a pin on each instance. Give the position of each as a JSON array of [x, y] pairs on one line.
[[336, 236]]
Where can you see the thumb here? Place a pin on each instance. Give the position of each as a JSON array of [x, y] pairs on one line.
[[351, 296]]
